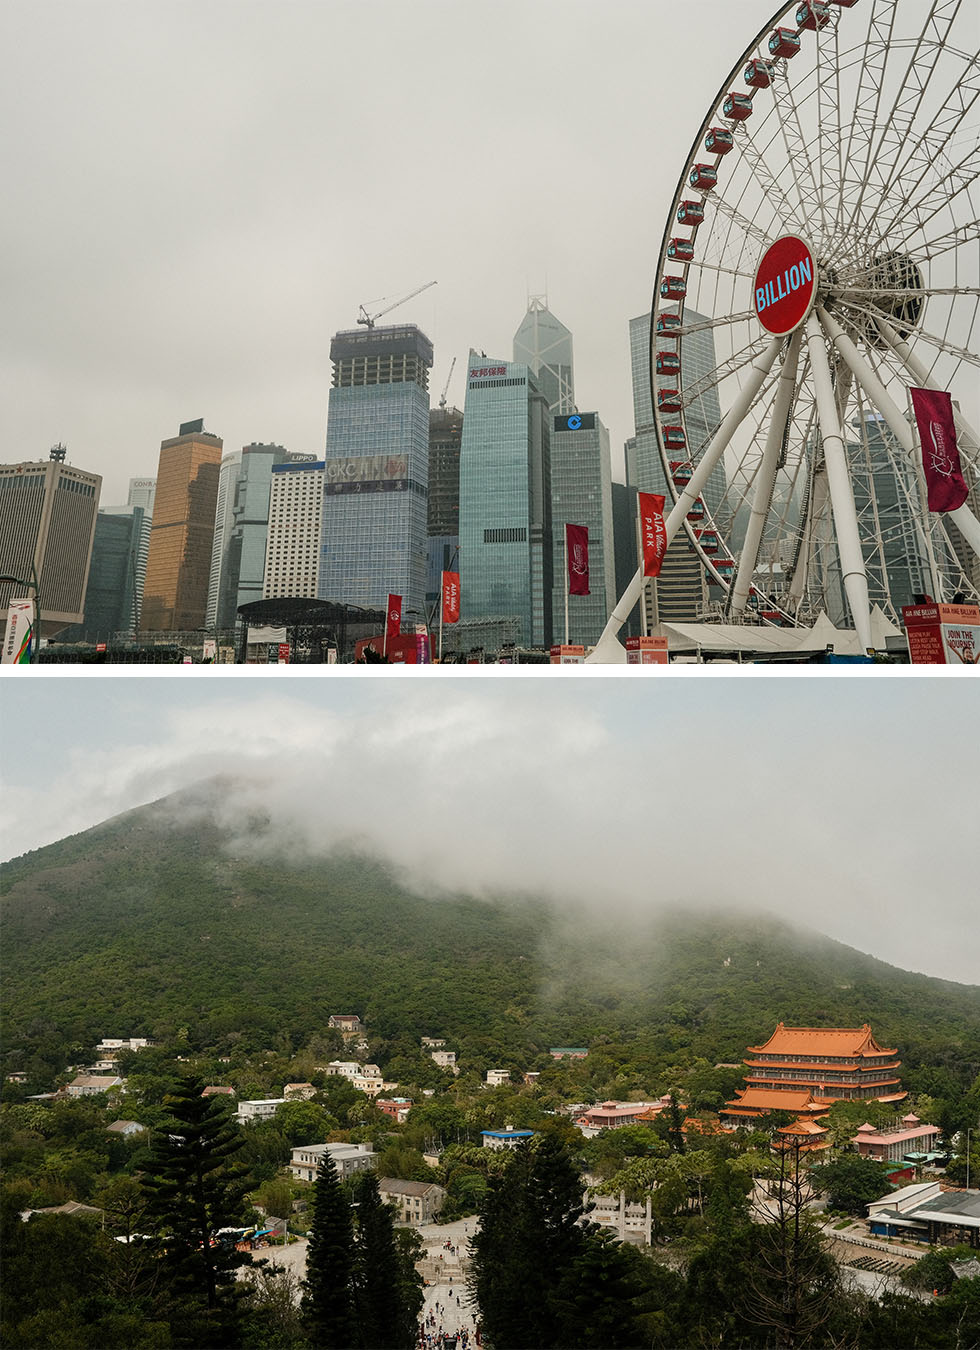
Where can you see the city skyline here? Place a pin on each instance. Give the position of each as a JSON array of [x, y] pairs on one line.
[[225, 310]]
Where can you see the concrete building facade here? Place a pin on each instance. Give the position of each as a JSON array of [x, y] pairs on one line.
[[48, 512]]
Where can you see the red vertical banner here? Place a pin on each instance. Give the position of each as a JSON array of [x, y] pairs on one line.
[[946, 486], [450, 597], [653, 531], [577, 556], [393, 627]]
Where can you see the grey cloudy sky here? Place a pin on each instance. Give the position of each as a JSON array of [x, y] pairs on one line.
[[197, 195], [846, 805]]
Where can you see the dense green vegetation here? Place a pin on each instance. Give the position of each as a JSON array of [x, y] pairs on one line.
[[234, 960], [150, 925]]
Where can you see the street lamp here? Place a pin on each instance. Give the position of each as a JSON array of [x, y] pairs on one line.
[[36, 634]]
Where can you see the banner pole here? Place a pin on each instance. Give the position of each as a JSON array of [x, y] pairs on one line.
[[568, 582]]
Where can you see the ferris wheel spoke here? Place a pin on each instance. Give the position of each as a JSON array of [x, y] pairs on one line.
[[870, 315], [878, 43], [754, 159], [941, 244], [745, 356], [915, 211], [911, 363], [895, 123], [796, 145], [929, 148], [702, 325], [748, 227]]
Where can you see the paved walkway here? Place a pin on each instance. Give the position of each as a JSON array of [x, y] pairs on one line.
[[447, 1297]]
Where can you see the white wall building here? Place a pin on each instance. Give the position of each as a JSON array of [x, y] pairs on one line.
[[348, 1159], [292, 552], [249, 1112]]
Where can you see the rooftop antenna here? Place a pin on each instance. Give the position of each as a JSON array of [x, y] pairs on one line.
[[370, 319]]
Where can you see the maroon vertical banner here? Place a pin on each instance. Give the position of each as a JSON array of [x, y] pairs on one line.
[[945, 484], [577, 555], [450, 597], [653, 532], [393, 627]]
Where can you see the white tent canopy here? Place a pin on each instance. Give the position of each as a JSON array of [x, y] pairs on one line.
[[732, 637]]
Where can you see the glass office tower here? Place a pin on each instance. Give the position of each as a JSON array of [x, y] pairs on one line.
[[373, 534], [581, 494], [544, 345], [505, 541]]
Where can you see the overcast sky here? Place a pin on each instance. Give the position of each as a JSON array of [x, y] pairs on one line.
[[846, 805], [197, 195]]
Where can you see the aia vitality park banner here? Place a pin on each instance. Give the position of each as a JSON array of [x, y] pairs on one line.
[[577, 554], [450, 597], [653, 532]]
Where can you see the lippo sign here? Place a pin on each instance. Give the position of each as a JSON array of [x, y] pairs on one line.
[[785, 285], [943, 635]]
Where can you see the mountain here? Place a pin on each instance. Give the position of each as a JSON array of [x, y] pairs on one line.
[[150, 923]]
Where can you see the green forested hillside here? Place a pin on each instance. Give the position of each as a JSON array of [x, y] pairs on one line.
[[146, 927]]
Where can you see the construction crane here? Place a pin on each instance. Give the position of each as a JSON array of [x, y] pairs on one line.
[[370, 319], [445, 387]]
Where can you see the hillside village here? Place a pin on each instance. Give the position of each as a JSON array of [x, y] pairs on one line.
[[434, 1149]]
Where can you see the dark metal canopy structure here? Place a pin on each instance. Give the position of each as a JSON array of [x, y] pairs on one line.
[[313, 627]]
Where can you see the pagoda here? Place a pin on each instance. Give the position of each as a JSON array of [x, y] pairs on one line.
[[805, 1069]]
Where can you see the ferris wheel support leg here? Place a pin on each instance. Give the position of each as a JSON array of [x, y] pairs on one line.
[[922, 377], [855, 576], [967, 522], [609, 650], [785, 389]]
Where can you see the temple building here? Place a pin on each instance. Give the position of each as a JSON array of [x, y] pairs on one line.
[[806, 1136], [908, 1137], [804, 1069]]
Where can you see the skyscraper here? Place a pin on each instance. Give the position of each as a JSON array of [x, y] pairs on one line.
[[374, 538], [505, 544], [179, 563], [292, 552], [544, 345], [581, 494], [681, 591], [47, 520], [111, 596], [241, 529], [445, 438]]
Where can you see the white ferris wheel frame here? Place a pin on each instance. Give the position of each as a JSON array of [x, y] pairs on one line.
[[889, 195]]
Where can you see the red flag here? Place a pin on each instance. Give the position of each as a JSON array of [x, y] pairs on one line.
[[653, 532], [450, 597], [577, 556], [940, 457], [394, 625]]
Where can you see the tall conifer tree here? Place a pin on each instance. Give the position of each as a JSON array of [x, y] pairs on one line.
[[328, 1303], [194, 1188], [382, 1314]]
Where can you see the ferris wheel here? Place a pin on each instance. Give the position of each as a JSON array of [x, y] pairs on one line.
[[822, 257]]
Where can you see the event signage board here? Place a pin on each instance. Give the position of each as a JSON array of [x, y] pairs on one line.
[[943, 635], [567, 654], [20, 628], [785, 285], [646, 651]]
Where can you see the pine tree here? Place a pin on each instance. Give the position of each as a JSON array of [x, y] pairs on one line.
[[383, 1317], [328, 1303], [527, 1241], [195, 1188]]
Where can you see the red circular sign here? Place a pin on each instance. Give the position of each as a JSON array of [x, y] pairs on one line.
[[785, 285]]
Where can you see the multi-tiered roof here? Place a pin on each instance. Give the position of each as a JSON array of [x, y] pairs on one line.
[[804, 1069]]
